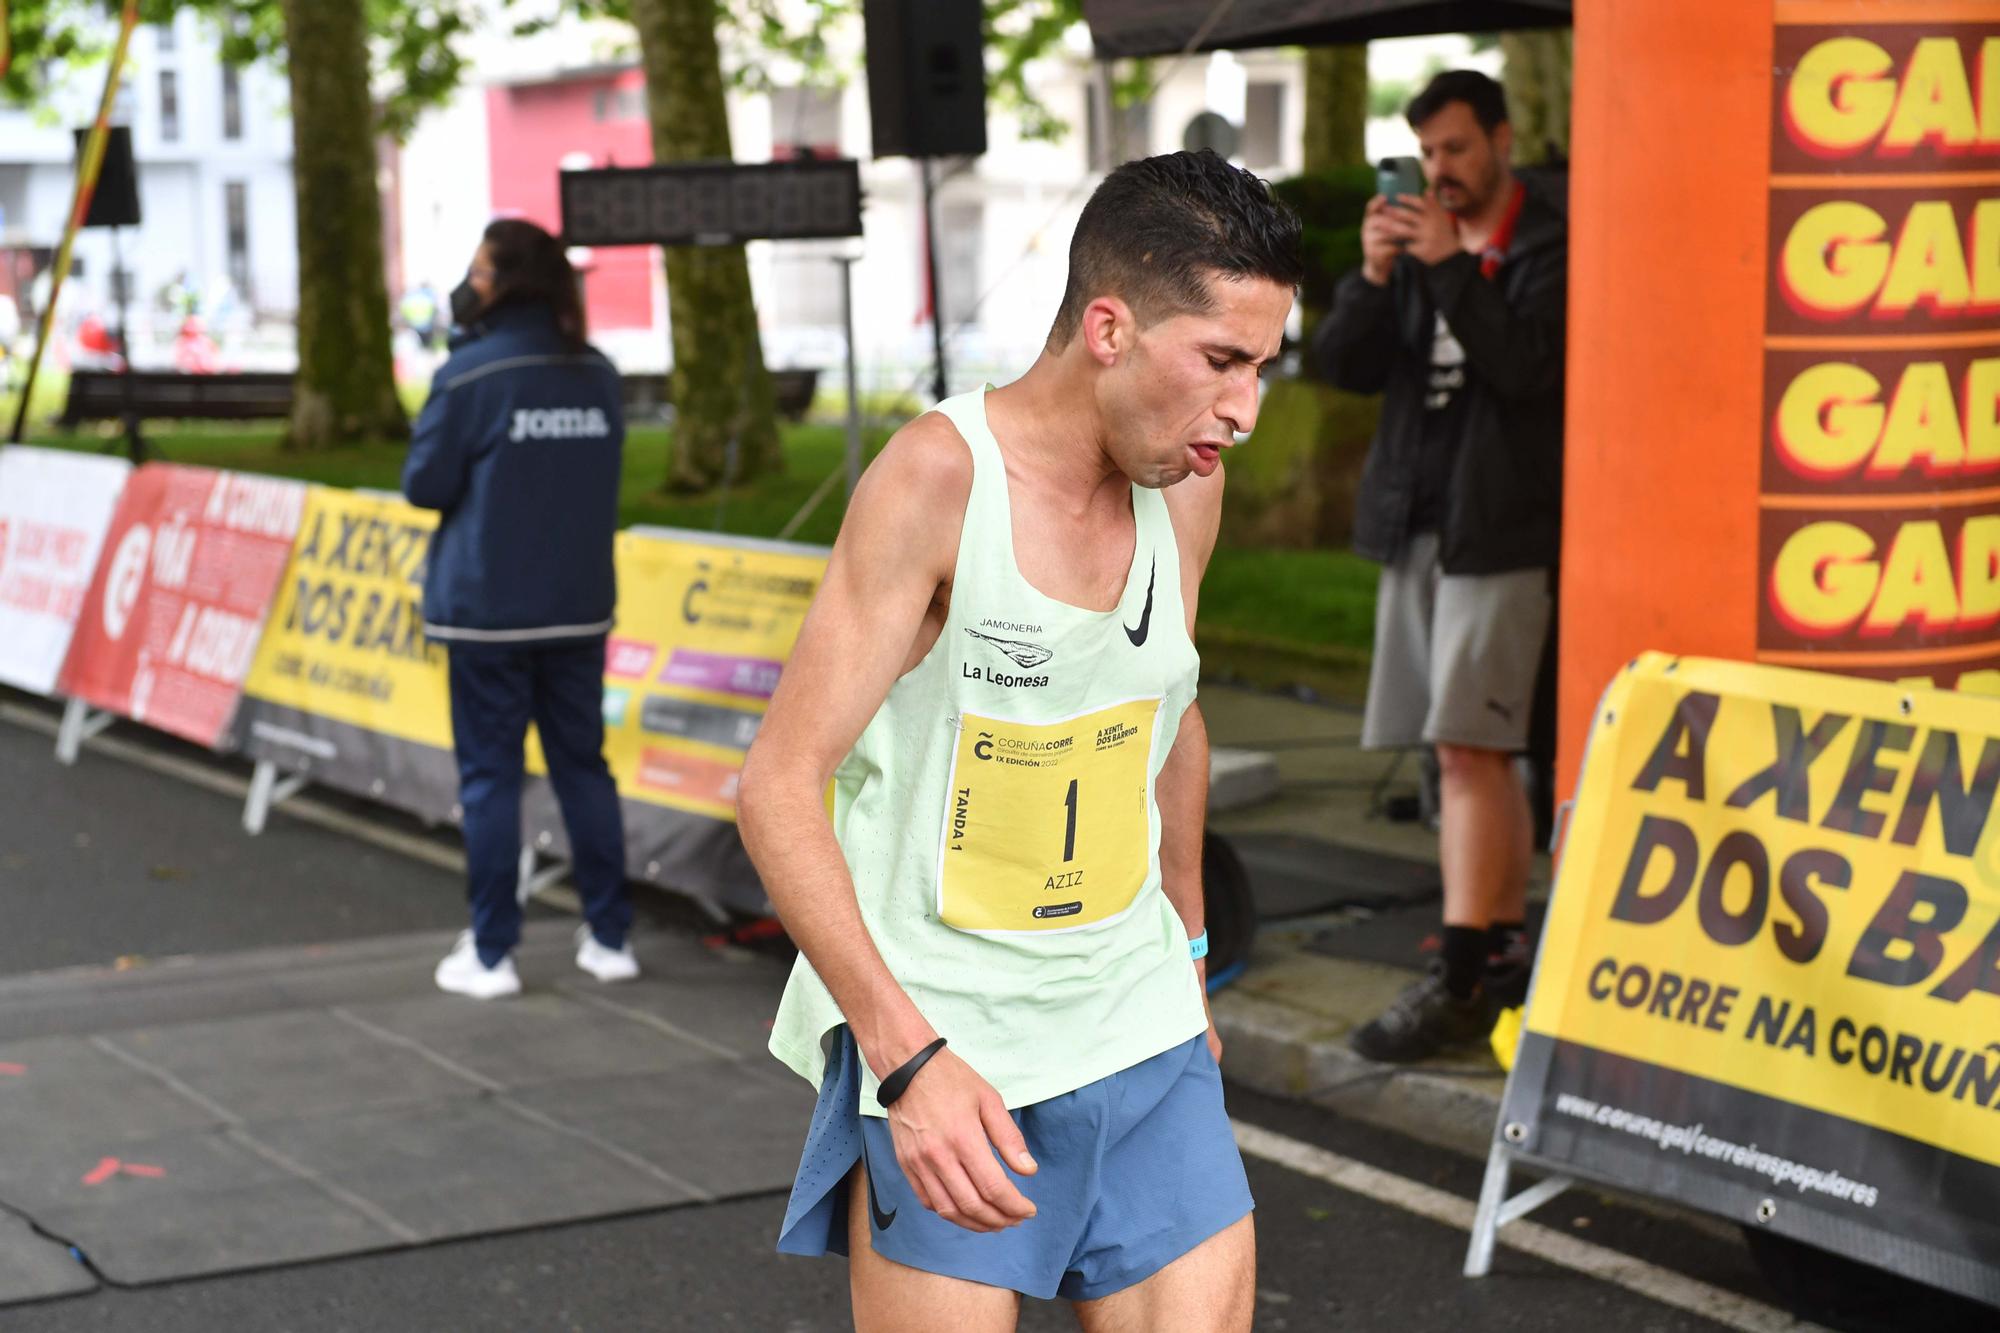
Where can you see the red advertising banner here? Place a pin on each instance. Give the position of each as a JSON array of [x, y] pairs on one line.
[[54, 507], [1885, 98], [177, 605], [1879, 531]]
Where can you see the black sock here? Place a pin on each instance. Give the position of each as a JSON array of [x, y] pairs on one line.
[[1506, 944], [1464, 959]]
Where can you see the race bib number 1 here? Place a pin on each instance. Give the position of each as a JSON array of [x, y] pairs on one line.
[[1046, 827]]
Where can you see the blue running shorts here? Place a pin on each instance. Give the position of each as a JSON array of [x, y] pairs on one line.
[[1135, 1170]]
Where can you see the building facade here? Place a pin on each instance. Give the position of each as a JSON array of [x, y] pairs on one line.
[[1003, 219], [213, 150]]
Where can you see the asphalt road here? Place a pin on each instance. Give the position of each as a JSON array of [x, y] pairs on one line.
[[1329, 1260], [109, 860]]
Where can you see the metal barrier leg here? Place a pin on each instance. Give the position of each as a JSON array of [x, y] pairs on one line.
[[257, 805], [524, 884], [266, 790], [79, 724], [1486, 1221], [1496, 1210], [69, 735], [535, 881]]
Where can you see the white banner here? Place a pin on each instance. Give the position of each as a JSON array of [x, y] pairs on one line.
[[54, 509]]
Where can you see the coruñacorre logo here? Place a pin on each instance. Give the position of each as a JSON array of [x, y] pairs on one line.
[[1021, 750]]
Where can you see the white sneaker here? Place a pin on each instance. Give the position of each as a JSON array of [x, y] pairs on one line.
[[602, 963], [462, 973]]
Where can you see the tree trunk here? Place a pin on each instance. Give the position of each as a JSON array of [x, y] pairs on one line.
[[1336, 107], [346, 386], [720, 386], [1536, 74], [1316, 436]]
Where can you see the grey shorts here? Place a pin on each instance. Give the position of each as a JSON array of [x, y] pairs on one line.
[[1456, 655]]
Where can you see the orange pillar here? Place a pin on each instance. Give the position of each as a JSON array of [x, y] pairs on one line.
[[1784, 340]]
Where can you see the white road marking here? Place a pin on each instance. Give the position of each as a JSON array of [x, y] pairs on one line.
[[1545, 1243]]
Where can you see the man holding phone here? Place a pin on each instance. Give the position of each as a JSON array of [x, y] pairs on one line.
[[1456, 316]]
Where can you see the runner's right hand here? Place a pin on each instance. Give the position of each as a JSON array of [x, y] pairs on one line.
[[947, 1125]]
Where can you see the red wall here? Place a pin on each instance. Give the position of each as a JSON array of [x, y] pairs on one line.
[[531, 128]]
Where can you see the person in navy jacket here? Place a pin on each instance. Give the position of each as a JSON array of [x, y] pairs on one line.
[[519, 449]]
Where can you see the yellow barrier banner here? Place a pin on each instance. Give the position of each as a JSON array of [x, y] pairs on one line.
[[344, 686], [705, 625], [1769, 983]]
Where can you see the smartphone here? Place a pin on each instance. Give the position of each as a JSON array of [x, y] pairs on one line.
[[1398, 175]]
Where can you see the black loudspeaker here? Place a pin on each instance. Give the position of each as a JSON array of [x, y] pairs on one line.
[[115, 203], [926, 77]]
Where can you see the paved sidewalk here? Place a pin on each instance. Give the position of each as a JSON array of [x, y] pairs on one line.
[[275, 1106], [1286, 1021], [220, 1052]]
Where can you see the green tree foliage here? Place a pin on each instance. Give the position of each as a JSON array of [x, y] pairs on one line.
[[411, 56], [1018, 33], [345, 388]]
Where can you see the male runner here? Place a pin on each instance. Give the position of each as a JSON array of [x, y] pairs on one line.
[[997, 923]]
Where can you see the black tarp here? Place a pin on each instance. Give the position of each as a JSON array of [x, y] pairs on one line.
[[1163, 27]]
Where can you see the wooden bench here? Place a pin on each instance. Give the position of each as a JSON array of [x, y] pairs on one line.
[[647, 396], [100, 395]]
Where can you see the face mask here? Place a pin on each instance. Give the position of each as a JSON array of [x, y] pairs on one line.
[[465, 304]]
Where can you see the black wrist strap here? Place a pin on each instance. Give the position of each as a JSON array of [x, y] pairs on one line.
[[898, 1083]]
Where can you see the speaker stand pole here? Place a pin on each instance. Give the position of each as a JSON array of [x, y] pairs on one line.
[[121, 282], [846, 263], [938, 377]]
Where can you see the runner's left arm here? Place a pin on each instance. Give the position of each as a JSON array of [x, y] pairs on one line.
[[1182, 789]]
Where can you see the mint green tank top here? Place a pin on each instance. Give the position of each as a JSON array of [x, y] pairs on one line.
[[998, 817]]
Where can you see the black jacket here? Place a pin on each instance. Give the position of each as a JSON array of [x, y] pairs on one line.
[[1503, 500]]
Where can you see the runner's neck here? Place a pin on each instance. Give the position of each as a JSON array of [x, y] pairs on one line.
[[1046, 424]]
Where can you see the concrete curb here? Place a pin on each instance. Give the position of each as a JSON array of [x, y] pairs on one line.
[[1240, 778], [1287, 1052]]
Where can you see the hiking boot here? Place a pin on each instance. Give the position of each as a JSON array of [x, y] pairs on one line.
[[1423, 1021], [1505, 986]]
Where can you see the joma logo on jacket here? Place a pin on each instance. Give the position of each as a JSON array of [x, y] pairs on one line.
[[558, 423]]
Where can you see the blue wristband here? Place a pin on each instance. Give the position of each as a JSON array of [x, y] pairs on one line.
[[1198, 946]]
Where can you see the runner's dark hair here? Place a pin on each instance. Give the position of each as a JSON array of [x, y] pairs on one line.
[[1487, 98], [1158, 229], [529, 265]]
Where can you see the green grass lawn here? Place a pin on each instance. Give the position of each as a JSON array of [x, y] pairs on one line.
[[1272, 616], [758, 510]]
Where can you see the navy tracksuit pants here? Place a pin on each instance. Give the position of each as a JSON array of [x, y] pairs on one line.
[[495, 692]]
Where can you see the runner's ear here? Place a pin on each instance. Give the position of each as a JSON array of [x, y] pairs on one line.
[[1108, 329]]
